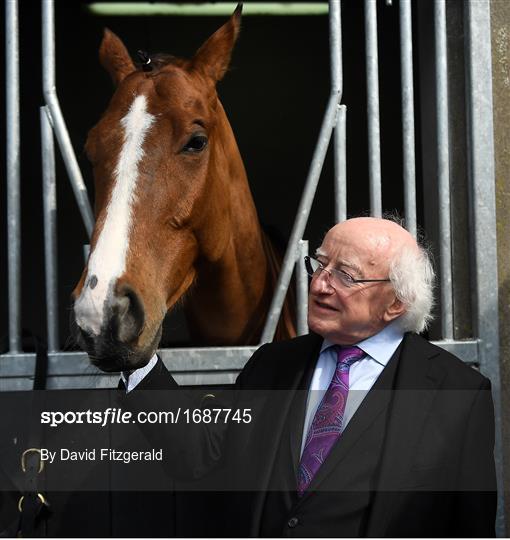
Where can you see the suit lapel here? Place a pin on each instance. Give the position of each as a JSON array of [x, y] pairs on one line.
[[297, 413], [292, 367], [417, 382]]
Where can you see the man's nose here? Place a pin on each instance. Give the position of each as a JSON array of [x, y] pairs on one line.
[[321, 283]]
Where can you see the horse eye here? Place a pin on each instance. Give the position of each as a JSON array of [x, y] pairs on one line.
[[196, 144]]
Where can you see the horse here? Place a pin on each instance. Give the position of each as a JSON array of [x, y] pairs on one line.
[[175, 218]]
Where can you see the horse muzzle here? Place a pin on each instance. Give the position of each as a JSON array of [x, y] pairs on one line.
[[111, 335]]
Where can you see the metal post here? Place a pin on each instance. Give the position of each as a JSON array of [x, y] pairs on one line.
[[374, 142], [335, 45], [50, 228], [86, 253], [341, 165], [406, 60], [50, 94], [301, 219], [13, 172], [483, 212], [312, 180], [443, 172], [302, 289]]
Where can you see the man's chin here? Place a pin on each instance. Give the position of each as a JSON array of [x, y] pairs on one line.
[[330, 330], [319, 326]]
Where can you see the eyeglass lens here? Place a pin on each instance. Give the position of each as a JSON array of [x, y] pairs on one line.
[[336, 279]]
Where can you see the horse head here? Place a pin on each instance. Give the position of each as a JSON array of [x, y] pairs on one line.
[[174, 212]]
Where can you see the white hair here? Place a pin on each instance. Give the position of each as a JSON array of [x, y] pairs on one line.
[[412, 276]]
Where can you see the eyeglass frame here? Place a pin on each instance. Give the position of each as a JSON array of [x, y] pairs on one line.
[[343, 275]]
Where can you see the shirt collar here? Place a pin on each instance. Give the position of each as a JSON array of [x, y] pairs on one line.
[[131, 379], [381, 346]]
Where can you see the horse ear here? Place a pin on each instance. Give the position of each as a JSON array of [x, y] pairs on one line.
[[213, 57], [114, 57]]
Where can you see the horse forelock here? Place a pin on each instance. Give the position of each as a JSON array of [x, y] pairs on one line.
[[161, 60], [108, 258]]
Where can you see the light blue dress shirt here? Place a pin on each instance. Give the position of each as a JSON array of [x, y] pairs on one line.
[[362, 373]]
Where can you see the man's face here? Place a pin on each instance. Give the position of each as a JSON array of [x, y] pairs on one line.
[[347, 315]]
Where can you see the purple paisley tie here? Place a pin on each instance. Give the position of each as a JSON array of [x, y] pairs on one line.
[[327, 424]]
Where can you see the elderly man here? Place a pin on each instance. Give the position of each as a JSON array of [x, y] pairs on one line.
[[378, 432]]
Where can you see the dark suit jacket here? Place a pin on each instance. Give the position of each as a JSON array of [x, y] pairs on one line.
[[435, 473]]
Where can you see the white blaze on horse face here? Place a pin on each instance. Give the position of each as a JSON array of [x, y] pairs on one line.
[[108, 260]]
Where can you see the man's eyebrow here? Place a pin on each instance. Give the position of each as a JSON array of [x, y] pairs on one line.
[[340, 262], [350, 265]]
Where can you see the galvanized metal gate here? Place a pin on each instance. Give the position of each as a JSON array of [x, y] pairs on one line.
[[221, 365]]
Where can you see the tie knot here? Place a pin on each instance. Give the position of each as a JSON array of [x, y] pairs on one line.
[[348, 355]]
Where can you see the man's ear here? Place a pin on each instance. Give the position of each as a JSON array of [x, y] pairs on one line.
[[114, 57], [213, 57], [394, 310]]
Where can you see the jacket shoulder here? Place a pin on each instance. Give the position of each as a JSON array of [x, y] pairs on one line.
[[279, 360], [458, 373]]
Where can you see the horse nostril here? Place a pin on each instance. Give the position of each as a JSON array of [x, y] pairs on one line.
[[128, 315]]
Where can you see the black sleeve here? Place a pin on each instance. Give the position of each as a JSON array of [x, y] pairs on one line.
[[191, 450]]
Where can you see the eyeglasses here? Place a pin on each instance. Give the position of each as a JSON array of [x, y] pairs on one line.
[[336, 278]]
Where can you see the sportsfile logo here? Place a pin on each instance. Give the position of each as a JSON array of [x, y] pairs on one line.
[[113, 415], [108, 416]]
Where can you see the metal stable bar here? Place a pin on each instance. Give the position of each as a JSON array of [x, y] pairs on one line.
[[374, 135], [50, 228], [335, 48], [211, 365], [12, 129], [50, 94], [301, 219], [443, 169], [138, 9], [341, 165], [409, 163], [308, 195], [302, 289], [72, 370], [483, 212]]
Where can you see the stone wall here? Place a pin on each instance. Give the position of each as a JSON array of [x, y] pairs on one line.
[[500, 23]]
